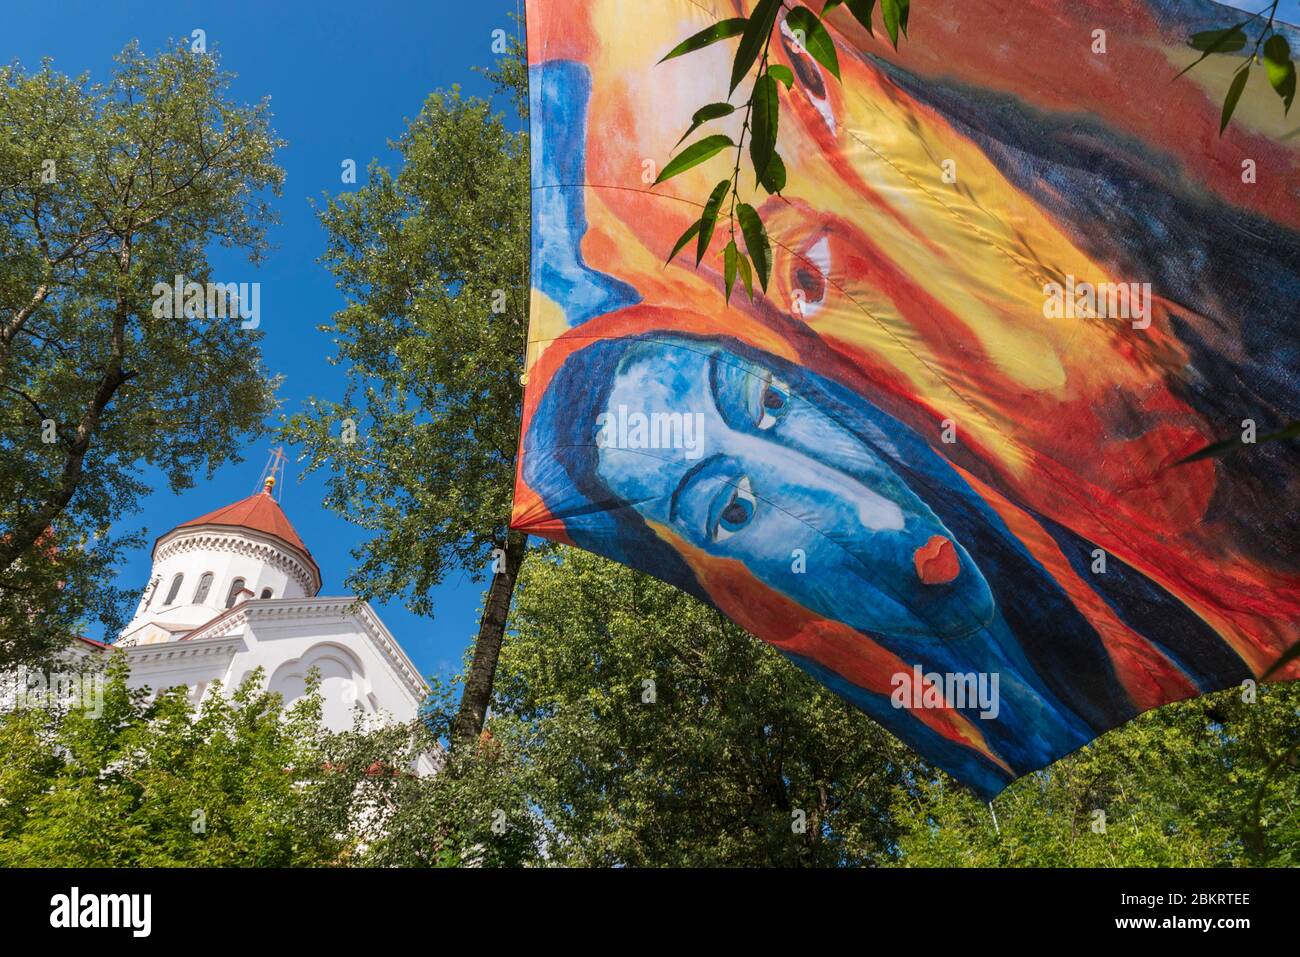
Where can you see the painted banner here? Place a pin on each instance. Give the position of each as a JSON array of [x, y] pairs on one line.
[[1017, 276]]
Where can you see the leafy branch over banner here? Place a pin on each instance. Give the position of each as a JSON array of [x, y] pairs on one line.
[[1271, 49], [762, 118]]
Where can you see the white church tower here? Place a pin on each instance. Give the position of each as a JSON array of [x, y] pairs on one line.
[[214, 562], [237, 589]]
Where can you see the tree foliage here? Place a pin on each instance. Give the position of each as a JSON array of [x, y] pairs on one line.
[[160, 783], [738, 738], [631, 726], [422, 256], [660, 734], [475, 812], [433, 262], [105, 191], [761, 116], [1270, 48], [1192, 784], [241, 780]]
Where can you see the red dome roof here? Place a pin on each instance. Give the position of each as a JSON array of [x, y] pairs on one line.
[[258, 513]]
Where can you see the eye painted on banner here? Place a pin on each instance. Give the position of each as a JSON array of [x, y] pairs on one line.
[[734, 509], [809, 274], [809, 74], [773, 400], [748, 397], [714, 499]]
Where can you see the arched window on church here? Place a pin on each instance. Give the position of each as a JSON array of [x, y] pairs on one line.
[[174, 590], [266, 593], [201, 593], [236, 587]]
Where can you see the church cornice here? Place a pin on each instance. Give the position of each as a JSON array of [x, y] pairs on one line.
[[246, 543], [171, 651], [289, 609]]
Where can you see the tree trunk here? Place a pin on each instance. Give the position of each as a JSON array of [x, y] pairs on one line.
[[477, 696], [29, 529]]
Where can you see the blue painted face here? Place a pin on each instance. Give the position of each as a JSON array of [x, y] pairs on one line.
[[803, 500]]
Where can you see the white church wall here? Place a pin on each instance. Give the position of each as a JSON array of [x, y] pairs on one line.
[[343, 687], [265, 569], [353, 672], [193, 664], [195, 640], [360, 661]]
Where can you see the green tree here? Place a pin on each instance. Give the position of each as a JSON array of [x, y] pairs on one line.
[[659, 733], [1192, 784], [240, 780], [105, 191], [161, 783], [433, 262], [475, 812], [631, 726]]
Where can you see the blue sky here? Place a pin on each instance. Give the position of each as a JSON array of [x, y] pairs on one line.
[[343, 77], [1287, 10]]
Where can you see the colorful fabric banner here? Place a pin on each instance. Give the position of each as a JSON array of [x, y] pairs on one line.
[[1015, 280]]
